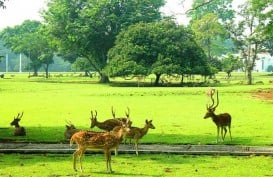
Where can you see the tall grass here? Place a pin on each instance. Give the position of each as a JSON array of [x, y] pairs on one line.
[[177, 112]]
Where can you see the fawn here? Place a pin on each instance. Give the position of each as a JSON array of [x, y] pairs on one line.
[[97, 141], [137, 133], [70, 130], [19, 131], [221, 120]]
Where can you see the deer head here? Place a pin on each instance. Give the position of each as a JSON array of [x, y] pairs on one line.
[[211, 109], [16, 120], [93, 119]]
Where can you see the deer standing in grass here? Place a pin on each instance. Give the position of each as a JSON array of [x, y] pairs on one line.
[[106, 141], [221, 120], [19, 131], [137, 133]]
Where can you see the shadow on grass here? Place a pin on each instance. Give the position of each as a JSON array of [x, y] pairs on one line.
[[56, 135]]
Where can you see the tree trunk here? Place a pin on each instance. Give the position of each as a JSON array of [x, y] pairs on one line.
[[46, 70], [157, 79], [104, 78], [249, 76]]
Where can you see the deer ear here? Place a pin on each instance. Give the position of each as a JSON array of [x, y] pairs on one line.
[[146, 121]]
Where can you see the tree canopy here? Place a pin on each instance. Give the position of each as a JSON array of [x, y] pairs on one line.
[[156, 48], [88, 28]]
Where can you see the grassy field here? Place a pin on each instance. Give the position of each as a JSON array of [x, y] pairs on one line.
[[177, 112], [53, 165]]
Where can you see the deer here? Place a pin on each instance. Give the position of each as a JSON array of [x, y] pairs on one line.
[[137, 133], [123, 119], [105, 141], [109, 124], [19, 131], [222, 120], [70, 130]]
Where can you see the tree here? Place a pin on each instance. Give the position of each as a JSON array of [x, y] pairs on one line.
[[2, 4], [207, 31], [29, 39], [248, 35], [231, 63], [156, 48], [88, 28], [221, 8]]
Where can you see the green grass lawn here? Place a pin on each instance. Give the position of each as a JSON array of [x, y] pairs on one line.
[[157, 165], [177, 112]]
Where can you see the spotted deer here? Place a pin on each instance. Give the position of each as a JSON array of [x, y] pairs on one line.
[[19, 131], [222, 120], [137, 133], [105, 141]]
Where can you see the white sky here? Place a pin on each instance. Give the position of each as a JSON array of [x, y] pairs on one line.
[[18, 11]]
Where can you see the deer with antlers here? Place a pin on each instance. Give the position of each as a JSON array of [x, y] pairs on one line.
[[70, 130], [106, 141], [19, 131], [221, 120], [109, 124], [137, 133]]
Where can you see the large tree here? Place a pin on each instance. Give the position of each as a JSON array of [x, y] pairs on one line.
[[88, 28], [156, 48], [248, 36]]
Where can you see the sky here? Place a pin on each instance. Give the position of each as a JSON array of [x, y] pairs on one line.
[[17, 11]]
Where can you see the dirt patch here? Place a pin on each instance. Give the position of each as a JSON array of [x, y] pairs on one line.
[[264, 94]]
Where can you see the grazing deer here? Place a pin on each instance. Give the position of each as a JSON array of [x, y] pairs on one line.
[[97, 141], [137, 133], [19, 131], [221, 120], [70, 130]]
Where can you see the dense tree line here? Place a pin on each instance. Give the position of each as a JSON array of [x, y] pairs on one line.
[[121, 38]]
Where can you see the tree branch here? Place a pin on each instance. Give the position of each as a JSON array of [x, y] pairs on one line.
[[200, 5]]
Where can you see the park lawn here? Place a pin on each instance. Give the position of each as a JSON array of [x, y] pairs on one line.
[[177, 112], [60, 165]]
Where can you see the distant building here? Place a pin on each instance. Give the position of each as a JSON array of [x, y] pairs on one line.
[[264, 61]]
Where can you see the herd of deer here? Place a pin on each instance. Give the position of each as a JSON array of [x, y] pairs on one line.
[[117, 129]]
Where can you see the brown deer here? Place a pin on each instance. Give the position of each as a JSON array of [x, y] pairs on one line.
[[70, 130], [107, 125], [221, 120], [106, 141], [137, 133], [123, 119], [19, 131]]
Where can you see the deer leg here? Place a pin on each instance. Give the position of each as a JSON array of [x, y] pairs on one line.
[[218, 129], [136, 146], [225, 129], [229, 133], [108, 160], [116, 151], [75, 154], [81, 152]]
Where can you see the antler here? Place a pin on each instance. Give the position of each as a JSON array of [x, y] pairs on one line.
[[212, 99], [127, 113], [93, 114], [113, 112], [19, 116]]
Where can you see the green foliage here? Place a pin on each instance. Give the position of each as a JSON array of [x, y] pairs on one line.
[[221, 8], [231, 63], [156, 48], [208, 31], [29, 39], [88, 28]]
